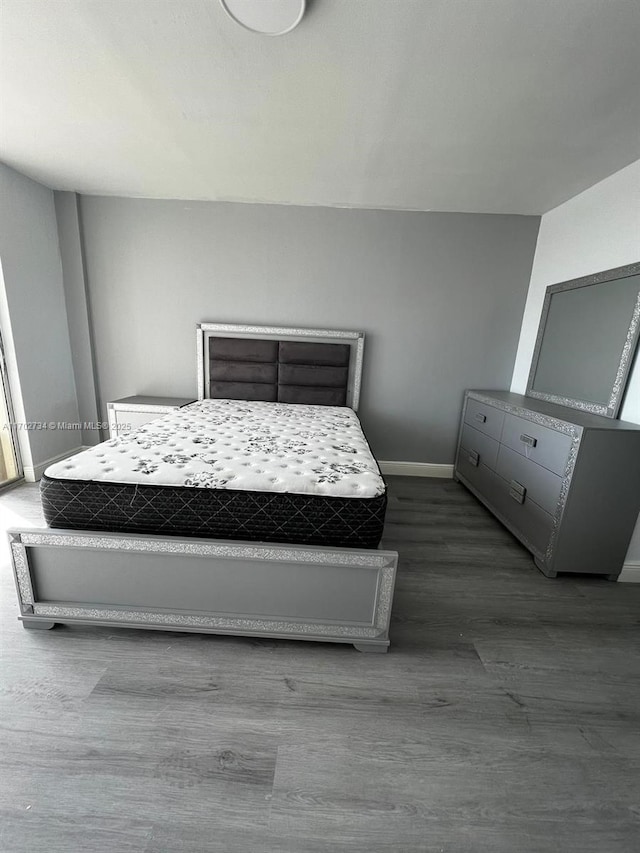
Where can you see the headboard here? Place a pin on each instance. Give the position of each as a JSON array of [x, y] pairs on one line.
[[316, 366]]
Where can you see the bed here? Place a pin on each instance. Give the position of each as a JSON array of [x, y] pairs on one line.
[[257, 510]]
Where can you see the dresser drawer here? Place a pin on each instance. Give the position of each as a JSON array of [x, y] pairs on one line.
[[479, 476], [129, 421], [131, 413], [545, 446], [484, 418], [541, 485], [480, 446], [527, 518]]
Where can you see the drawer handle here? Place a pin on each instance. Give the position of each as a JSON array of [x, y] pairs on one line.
[[480, 417], [474, 458], [517, 491], [529, 439]]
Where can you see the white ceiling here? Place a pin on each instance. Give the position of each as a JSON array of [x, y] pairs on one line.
[[503, 106]]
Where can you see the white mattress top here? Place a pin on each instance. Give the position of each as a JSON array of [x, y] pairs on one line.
[[232, 444]]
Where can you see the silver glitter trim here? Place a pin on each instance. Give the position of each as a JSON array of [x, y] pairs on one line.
[[356, 379], [221, 624], [598, 277], [615, 398], [386, 584], [276, 331], [625, 360], [21, 572], [347, 557], [556, 424], [564, 493], [234, 330], [200, 365], [570, 403]]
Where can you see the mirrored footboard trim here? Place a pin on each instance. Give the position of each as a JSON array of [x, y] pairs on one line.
[[221, 556]]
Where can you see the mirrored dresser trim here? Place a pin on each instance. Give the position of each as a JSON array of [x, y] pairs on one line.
[[595, 462]]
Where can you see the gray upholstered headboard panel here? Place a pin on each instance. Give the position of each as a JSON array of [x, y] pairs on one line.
[[282, 371], [286, 365]]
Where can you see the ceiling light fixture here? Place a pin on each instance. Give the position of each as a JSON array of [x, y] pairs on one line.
[[269, 17]]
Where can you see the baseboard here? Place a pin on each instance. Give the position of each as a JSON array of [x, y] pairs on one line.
[[33, 473], [630, 572], [417, 469]]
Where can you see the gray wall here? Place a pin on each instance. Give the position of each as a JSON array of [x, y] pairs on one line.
[[36, 325], [440, 297]]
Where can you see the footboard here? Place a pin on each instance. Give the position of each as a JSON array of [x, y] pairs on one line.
[[340, 595]]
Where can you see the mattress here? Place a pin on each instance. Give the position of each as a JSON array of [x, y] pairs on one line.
[[228, 469]]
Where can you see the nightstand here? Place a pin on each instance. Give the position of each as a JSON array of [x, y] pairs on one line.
[[129, 413]]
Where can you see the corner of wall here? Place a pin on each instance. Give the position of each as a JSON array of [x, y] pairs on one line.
[[40, 370], [76, 294]]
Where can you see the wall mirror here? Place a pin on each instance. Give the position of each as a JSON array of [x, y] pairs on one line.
[[586, 341]]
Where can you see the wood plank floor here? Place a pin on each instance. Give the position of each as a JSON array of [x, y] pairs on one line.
[[506, 716]]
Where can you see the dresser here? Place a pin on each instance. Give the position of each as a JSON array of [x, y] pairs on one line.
[[566, 483], [130, 413]]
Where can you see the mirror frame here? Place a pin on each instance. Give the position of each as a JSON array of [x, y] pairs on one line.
[[611, 409]]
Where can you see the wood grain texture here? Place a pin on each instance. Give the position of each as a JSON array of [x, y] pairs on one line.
[[504, 718]]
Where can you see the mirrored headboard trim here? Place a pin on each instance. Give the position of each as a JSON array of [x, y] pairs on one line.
[[615, 400], [354, 340]]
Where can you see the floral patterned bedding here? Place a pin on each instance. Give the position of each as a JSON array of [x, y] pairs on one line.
[[238, 445]]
